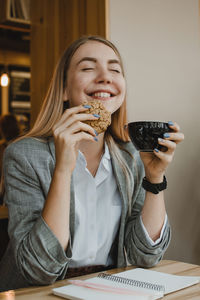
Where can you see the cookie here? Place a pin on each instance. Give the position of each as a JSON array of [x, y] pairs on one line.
[[102, 123]]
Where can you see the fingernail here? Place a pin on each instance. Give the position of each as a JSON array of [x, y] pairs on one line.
[[97, 116], [96, 132], [161, 140], [170, 123], [87, 106], [156, 150], [95, 139], [166, 135]]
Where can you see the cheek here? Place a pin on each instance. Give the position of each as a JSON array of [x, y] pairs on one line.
[[74, 89], [77, 85], [123, 87]]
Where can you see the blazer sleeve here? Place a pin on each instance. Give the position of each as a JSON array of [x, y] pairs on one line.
[[139, 250], [38, 254]]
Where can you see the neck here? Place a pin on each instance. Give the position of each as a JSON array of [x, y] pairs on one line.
[[93, 152], [92, 149]]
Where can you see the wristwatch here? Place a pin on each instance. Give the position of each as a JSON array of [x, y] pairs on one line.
[[154, 188]]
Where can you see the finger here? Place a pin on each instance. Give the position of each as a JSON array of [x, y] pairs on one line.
[[80, 126], [168, 145], [165, 157], [71, 111], [77, 118], [76, 109], [173, 125], [64, 123], [177, 137], [68, 137], [83, 136]]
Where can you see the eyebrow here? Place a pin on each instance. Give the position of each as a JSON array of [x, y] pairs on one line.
[[111, 61]]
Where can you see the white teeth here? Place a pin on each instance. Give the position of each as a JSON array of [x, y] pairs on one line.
[[102, 95]]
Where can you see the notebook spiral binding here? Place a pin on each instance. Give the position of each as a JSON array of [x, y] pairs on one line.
[[133, 282]]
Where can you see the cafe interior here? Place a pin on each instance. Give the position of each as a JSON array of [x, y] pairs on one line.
[[34, 34], [160, 45]]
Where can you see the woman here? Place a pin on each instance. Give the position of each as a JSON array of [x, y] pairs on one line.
[[75, 199]]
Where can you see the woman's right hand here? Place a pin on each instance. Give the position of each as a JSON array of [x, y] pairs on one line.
[[67, 133]]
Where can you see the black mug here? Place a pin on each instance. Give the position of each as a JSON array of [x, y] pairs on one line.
[[144, 134]]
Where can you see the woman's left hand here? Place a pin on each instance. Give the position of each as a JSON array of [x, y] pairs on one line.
[[156, 163]]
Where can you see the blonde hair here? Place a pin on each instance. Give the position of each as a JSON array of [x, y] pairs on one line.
[[52, 107]]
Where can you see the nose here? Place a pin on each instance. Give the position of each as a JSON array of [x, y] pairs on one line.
[[104, 76]]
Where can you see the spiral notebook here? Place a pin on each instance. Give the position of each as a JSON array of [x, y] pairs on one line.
[[140, 284]]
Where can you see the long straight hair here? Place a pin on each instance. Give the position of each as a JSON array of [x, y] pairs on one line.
[[52, 108]]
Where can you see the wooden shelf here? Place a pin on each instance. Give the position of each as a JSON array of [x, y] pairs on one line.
[[3, 212], [11, 19], [15, 28]]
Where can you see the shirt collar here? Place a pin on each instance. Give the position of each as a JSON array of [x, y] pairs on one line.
[[106, 152], [81, 158]]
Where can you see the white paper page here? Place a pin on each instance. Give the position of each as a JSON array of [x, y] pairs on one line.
[[152, 294], [171, 282], [81, 293]]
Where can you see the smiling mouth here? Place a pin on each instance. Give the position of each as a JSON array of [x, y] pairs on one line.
[[101, 95]]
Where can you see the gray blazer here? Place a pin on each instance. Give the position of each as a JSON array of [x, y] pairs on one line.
[[34, 255]]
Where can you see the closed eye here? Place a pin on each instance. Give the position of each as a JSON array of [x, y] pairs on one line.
[[115, 70], [87, 69]]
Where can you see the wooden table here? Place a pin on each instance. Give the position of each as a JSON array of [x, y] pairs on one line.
[[167, 266]]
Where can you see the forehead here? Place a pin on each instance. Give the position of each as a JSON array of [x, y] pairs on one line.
[[94, 49]]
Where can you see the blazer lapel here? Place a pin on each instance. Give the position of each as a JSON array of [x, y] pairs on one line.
[[72, 202], [121, 183]]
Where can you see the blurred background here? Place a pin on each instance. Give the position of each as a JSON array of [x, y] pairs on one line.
[[160, 44]]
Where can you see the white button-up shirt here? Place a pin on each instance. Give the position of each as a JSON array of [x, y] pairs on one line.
[[97, 213]]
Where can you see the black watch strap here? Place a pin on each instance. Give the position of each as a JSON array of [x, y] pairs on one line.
[[154, 188]]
